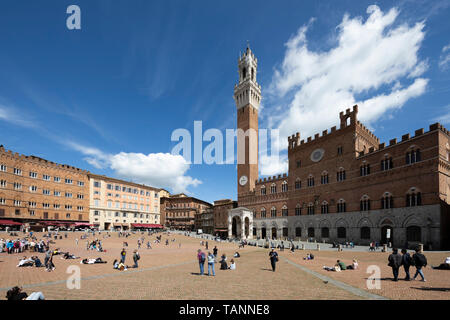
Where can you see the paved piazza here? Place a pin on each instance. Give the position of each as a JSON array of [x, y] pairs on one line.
[[170, 272]]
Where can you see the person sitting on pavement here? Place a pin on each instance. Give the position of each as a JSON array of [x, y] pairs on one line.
[[232, 265], [353, 266], [236, 255], [309, 256], [223, 262]]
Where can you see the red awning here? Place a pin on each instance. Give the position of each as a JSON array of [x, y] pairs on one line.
[[148, 226], [57, 223], [84, 224], [9, 223]]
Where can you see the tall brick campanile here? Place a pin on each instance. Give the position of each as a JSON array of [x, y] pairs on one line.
[[247, 95]]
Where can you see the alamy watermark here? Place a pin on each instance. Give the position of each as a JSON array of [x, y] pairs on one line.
[[213, 152]]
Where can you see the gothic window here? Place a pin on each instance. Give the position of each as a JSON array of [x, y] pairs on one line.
[[273, 188], [298, 210], [387, 201], [364, 170], [340, 176], [365, 203], [310, 181], [298, 232], [413, 198], [341, 233], [310, 208], [325, 232], [324, 178], [273, 212], [413, 156], [341, 206], [387, 164], [284, 211], [244, 73], [299, 163], [339, 150], [298, 184], [263, 190], [284, 186], [324, 207], [413, 233]]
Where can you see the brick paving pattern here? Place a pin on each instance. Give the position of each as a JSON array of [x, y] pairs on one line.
[[170, 272]]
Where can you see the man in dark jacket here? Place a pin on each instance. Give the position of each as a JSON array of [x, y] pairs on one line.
[[273, 255], [419, 261], [395, 261], [406, 262]]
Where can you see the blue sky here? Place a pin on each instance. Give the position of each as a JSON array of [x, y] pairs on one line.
[[107, 97]]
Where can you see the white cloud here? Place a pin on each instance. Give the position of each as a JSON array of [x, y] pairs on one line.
[[444, 59], [162, 170], [376, 59], [11, 115]]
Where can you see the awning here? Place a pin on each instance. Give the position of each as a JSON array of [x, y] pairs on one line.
[[9, 223], [82, 224], [57, 223], [148, 226]]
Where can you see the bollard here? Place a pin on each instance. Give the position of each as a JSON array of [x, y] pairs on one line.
[[340, 247], [318, 247], [303, 246], [384, 247]]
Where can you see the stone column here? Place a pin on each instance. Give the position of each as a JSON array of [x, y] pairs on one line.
[[243, 229], [230, 225]]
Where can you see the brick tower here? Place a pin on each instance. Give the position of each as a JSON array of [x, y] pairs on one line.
[[247, 95]]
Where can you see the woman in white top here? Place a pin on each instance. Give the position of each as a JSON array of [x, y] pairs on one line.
[[232, 265]]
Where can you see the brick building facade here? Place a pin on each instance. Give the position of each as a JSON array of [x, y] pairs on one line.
[[220, 209], [38, 192], [344, 185], [180, 211]]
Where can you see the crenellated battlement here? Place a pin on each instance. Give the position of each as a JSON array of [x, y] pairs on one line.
[[367, 131], [272, 179], [40, 161], [407, 137], [294, 140]]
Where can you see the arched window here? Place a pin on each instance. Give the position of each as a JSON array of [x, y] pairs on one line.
[[310, 208], [325, 232], [298, 232], [324, 178], [386, 163], [365, 233], [365, 203], [263, 190], [311, 232], [341, 207], [341, 233], [263, 212], [413, 156], [284, 211], [364, 170], [413, 233], [284, 186], [273, 188], [298, 210], [324, 207], [273, 212], [387, 201], [244, 73], [340, 175], [413, 198], [298, 184], [310, 181]]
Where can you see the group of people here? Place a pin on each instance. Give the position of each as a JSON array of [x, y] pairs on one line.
[[418, 260], [211, 258], [341, 266]]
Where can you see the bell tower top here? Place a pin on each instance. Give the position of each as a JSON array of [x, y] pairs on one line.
[[247, 91]]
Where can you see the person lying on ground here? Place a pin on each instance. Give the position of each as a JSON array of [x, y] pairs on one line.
[[16, 293], [69, 256], [26, 262], [444, 266], [92, 261]]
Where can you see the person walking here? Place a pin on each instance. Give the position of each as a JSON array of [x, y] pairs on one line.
[[201, 261], [206, 245], [136, 257], [211, 262], [273, 256], [123, 255], [420, 261], [406, 262], [215, 251], [395, 261]]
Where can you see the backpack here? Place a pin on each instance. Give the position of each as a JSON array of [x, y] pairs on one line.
[[422, 259]]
